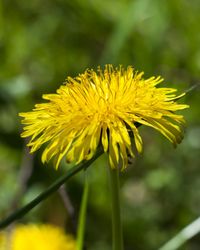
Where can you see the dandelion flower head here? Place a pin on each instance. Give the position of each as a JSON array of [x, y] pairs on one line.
[[36, 237], [102, 107]]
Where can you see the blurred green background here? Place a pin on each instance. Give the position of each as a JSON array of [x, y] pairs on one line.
[[41, 43]]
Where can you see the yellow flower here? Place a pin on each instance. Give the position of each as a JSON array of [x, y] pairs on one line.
[[102, 108], [2, 241], [36, 237]]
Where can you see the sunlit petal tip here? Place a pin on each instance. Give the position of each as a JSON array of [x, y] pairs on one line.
[[22, 114]]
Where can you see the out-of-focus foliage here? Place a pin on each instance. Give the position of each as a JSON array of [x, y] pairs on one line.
[[42, 42]]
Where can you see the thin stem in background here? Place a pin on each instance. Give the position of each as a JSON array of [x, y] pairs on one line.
[[115, 205], [68, 206], [187, 233], [66, 201], [82, 215], [44, 195], [25, 172]]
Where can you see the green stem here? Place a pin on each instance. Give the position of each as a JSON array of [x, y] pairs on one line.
[[2, 20], [44, 195], [82, 215], [183, 236], [116, 216]]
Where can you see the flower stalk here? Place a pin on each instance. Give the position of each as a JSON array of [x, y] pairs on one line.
[[117, 235], [82, 215]]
